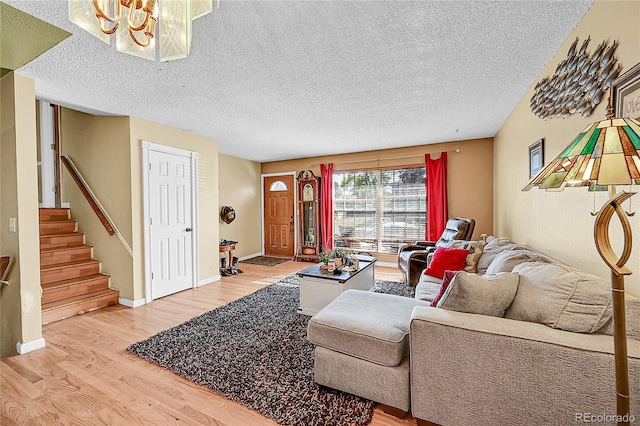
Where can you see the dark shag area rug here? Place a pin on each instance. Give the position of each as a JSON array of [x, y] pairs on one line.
[[394, 287], [255, 351], [265, 260]]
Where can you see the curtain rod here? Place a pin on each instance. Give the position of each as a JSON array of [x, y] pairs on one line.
[[388, 158]]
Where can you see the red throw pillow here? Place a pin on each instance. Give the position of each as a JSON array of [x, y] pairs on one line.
[[446, 280], [452, 259]]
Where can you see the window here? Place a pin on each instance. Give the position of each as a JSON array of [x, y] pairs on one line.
[[278, 186], [379, 210]]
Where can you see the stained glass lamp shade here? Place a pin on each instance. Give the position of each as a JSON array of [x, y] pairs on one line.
[[605, 153]]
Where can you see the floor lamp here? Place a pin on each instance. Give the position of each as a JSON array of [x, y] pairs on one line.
[[605, 153]]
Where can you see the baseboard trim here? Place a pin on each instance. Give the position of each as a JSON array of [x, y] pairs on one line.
[[131, 303], [250, 256], [27, 347], [387, 264], [209, 280]]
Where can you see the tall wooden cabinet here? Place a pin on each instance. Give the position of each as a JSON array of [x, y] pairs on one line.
[[309, 216]]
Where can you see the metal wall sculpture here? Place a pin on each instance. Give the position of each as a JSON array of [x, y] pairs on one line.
[[579, 82], [227, 214]]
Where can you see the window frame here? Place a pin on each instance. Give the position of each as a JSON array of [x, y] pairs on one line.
[[380, 243]]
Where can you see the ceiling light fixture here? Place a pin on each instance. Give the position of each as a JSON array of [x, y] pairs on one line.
[[135, 26]]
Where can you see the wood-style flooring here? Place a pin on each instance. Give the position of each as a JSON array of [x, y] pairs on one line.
[[85, 376]]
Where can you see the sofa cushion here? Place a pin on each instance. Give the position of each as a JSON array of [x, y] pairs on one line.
[[452, 259], [549, 294], [480, 294], [632, 314], [506, 260], [475, 251], [366, 325], [428, 288]]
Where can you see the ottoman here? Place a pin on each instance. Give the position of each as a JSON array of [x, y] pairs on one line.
[[362, 346]]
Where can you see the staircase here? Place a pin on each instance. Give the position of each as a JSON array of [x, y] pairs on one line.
[[71, 281]]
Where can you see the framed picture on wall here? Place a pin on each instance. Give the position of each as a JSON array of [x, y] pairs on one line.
[[536, 157], [625, 94]]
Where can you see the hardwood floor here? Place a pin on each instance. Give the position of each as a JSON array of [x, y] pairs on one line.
[[85, 376]]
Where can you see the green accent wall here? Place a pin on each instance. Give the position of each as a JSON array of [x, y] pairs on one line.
[[24, 37]]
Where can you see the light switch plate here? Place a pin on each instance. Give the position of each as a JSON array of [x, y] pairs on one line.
[[12, 224]]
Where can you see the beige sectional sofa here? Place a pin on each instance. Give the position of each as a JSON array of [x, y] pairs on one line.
[[539, 352]]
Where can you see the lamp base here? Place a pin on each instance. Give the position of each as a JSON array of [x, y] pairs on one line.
[[618, 271]]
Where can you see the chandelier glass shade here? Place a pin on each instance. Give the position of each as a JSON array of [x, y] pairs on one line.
[[134, 24]]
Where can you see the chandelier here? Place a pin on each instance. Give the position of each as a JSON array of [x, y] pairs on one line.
[[134, 24]]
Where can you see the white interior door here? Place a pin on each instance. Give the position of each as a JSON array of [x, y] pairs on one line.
[[170, 223]]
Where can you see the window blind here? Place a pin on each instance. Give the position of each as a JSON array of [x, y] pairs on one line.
[[379, 210]]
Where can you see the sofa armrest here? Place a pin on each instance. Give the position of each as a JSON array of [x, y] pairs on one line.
[[429, 258], [412, 247], [503, 371], [424, 243]]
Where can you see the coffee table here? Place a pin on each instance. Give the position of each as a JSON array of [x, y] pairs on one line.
[[318, 288]]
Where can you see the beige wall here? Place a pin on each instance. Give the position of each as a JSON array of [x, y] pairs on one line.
[[99, 147], [108, 153], [470, 174], [240, 189], [559, 223], [20, 312], [208, 223]]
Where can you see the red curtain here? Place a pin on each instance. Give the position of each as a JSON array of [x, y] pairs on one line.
[[436, 184], [326, 206]]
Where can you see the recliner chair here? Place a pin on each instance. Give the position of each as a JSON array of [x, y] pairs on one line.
[[412, 258]]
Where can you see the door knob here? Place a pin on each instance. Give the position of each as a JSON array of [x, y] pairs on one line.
[[188, 229]]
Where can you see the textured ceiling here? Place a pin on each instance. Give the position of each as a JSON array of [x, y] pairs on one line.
[[273, 80]]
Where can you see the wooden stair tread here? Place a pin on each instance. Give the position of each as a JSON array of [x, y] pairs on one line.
[[70, 278], [85, 297], [58, 222], [52, 224], [61, 240], [57, 249], [71, 281], [72, 234], [46, 214], [61, 254], [77, 286], [68, 264]]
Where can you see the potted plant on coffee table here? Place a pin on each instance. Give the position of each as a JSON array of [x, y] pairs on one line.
[[325, 258]]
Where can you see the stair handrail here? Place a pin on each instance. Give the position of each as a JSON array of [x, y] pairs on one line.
[[4, 267], [98, 209]]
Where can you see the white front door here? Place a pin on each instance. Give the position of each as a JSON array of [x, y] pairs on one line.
[[170, 223]]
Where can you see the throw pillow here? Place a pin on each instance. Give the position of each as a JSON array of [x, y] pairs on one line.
[[446, 280], [490, 251], [572, 301], [499, 241], [444, 258], [505, 261], [480, 294], [475, 251]]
